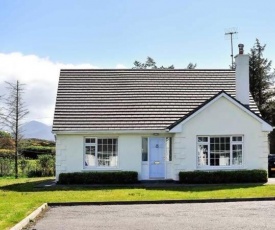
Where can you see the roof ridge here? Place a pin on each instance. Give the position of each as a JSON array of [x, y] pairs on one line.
[[147, 70]]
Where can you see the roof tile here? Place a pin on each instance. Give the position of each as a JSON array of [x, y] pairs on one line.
[[134, 99]]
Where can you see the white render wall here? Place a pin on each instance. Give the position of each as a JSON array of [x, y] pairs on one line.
[[221, 118], [70, 153]]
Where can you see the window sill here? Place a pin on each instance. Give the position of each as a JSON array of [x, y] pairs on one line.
[[102, 169], [210, 168]]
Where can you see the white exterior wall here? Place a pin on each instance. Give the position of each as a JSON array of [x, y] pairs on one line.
[[70, 154], [221, 118]]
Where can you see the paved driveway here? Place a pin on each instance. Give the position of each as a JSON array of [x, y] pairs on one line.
[[235, 215]]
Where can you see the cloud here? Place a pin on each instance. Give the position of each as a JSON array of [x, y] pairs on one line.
[[40, 76], [120, 66]]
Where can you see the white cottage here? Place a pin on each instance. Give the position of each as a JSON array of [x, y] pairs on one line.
[[158, 122]]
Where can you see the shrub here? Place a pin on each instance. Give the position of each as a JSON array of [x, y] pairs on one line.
[[124, 177], [46, 165], [219, 177], [6, 166], [34, 173]]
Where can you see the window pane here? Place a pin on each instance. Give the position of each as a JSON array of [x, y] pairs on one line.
[[90, 140], [220, 151], [202, 154], [168, 148], [237, 138], [144, 149], [90, 156], [107, 152], [114, 149], [202, 139], [237, 154]]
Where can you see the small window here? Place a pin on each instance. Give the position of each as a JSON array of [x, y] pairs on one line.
[[144, 149]]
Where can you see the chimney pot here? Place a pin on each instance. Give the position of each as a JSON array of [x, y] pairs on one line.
[[241, 48]]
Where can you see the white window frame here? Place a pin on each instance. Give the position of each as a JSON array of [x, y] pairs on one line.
[[96, 153], [230, 166]]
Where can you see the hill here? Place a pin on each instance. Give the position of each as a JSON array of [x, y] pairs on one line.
[[38, 130]]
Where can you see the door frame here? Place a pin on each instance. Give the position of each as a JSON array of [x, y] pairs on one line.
[[164, 159]]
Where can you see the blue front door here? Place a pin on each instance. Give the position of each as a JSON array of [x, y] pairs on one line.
[[156, 157]]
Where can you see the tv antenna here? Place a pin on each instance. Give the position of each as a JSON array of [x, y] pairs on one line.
[[231, 33]]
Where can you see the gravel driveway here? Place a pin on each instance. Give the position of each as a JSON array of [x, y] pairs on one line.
[[231, 215]]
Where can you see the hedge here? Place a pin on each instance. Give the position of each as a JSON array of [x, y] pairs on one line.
[[124, 177], [223, 177]]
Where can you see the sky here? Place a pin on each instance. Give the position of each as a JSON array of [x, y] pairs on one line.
[[40, 37]]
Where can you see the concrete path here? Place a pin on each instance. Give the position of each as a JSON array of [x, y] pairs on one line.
[[235, 215]]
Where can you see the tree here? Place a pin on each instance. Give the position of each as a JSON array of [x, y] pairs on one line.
[[149, 64], [6, 141], [12, 115], [261, 80], [191, 66]]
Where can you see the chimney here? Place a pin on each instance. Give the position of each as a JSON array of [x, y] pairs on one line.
[[242, 76]]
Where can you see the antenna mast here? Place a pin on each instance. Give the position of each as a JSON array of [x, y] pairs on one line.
[[231, 32]]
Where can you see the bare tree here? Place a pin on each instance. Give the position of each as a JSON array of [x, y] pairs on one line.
[[12, 114]]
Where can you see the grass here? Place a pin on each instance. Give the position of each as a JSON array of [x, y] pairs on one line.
[[18, 198]]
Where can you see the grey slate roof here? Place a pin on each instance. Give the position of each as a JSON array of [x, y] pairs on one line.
[[106, 99]]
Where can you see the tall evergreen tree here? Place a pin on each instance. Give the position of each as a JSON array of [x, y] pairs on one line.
[[261, 80]]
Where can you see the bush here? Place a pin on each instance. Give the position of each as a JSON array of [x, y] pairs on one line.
[[223, 177], [124, 177], [46, 165], [34, 173], [6, 166]]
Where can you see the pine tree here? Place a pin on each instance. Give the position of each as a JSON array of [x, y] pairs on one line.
[[261, 80]]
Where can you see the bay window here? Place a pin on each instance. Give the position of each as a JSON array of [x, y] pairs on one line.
[[100, 152], [217, 151]]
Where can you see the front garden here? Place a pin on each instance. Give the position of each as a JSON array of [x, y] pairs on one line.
[[19, 197]]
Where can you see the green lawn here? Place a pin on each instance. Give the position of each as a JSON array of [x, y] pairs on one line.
[[18, 198]]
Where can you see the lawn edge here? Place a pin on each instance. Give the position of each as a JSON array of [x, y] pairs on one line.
[[52, 204], [23, 223]]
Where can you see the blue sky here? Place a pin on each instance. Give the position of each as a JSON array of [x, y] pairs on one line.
[[106, 33], [38, 37]]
